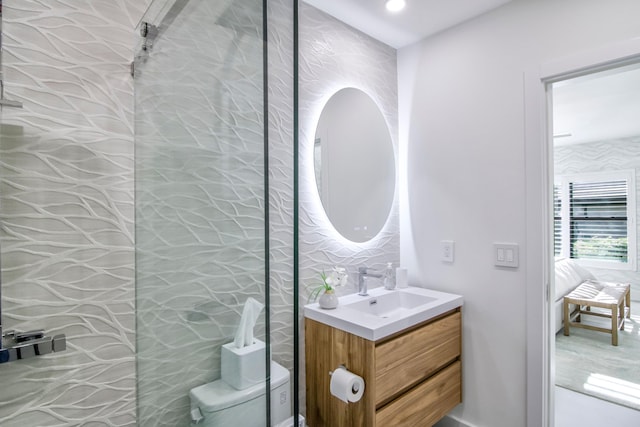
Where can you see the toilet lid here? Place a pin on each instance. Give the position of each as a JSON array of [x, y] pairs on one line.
[[219, 395]]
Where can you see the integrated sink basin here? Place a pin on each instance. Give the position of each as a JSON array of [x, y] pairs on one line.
[[391, 305], [383, 312]]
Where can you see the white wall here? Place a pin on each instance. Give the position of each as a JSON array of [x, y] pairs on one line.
[[462, 136]]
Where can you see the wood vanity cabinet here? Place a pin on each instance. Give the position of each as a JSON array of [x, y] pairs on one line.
[[412, 378]]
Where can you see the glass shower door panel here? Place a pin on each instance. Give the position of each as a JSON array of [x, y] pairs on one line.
[[200, 221], [67, 210]]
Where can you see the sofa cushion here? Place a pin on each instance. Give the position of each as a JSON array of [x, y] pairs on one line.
[[568, 276]]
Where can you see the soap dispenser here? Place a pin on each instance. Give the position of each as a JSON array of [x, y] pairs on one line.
[[388, 278]]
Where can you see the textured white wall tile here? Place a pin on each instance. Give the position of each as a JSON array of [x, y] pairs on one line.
[[280, 36], [69, 86], [200, 199], [66, 207], [333, 56]]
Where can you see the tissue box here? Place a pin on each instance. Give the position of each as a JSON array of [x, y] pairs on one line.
[[243, 367]]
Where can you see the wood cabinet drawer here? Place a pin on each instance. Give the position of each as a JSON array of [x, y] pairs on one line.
[[405, 361], [427, 403]]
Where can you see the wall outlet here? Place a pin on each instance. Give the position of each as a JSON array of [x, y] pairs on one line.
[[447, 250]]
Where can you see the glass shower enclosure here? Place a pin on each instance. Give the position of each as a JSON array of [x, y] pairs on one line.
[[201, 218]]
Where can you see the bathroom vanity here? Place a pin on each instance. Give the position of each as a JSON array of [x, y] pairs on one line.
[[412, 376]]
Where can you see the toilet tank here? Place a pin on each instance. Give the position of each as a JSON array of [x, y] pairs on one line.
[[217, 404]]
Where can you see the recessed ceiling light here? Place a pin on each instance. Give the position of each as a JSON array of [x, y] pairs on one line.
[[395, 5]]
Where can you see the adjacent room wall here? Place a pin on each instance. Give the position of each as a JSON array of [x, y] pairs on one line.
[[462, 110], [603, 156]]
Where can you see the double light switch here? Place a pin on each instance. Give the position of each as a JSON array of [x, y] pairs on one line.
[[506, 254]]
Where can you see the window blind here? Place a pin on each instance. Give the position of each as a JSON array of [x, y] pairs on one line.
[[557, 221], [598, 220]]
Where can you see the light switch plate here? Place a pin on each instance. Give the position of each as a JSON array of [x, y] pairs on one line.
[[447, 250], [506, 255]]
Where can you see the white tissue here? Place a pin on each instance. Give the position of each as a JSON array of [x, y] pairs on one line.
[[250, 313]]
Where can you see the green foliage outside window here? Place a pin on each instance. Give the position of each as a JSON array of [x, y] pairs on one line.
[[609, 248]]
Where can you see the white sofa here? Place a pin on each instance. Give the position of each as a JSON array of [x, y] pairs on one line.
[[568, 275]]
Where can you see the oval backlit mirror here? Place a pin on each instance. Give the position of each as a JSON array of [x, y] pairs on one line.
[[354, 164]]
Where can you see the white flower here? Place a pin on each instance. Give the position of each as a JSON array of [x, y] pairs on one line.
[[338, 276]]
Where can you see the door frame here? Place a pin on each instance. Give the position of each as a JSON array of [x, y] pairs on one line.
[[540, 369]]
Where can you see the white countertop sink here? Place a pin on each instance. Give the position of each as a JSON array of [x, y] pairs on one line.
[[382, 312]]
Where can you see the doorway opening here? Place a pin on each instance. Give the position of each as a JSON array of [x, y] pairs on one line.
[[595, 163]]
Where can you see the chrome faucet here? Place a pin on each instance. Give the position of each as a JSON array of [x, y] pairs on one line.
[[363, 274]]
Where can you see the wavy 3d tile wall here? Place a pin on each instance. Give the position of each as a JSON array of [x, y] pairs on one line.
[[67, 209], [67, 200], [67, 203]]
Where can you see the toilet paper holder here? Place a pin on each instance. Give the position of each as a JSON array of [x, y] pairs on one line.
[[355, 387], [339, 367]]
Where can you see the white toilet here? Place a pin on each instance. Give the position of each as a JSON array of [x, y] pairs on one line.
[[217, 404]]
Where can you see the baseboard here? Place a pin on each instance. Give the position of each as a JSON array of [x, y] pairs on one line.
[[452, 421]]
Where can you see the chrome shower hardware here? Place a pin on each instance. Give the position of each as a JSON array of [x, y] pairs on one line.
[[25, 345], [7, 102]]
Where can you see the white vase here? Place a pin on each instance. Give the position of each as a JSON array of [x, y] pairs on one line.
[[328, 300]]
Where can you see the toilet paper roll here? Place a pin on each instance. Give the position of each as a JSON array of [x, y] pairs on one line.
[[346, 385]]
